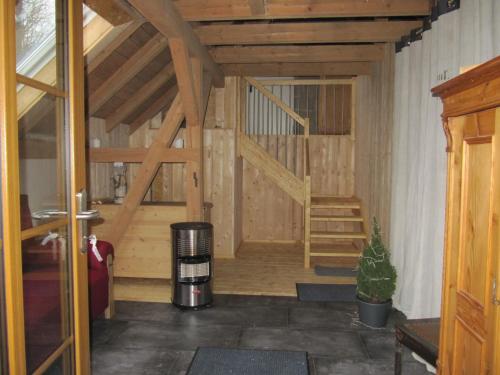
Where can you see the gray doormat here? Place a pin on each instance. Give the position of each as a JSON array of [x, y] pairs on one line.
[[335, 271], [326, 293], [222, 361]]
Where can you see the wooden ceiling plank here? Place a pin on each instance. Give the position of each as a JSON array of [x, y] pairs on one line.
[[298, 69], [140, 96], [220, 10], [257, 7], [270, 54], [164, 16], [113, 45], [146, 172], [156, 107], [125, 72], [305, 32]]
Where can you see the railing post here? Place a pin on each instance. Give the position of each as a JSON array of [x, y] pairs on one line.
[[307, 198]]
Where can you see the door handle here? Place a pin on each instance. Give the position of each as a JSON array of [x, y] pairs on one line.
[[88, 215], [47, 214]]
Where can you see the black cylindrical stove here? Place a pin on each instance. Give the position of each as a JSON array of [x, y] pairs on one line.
[[192, 264]]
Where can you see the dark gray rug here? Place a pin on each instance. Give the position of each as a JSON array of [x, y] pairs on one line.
[[326, 293], [222, 361], [335, 271]]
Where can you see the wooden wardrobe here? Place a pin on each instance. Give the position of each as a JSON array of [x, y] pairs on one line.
[[470, 313]]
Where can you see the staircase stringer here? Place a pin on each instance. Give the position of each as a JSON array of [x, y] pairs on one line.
[[281, 176]]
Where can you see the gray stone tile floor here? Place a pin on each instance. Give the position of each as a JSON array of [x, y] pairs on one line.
[[156, 338]]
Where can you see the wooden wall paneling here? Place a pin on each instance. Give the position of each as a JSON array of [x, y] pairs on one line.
[[147, 171], [145, 249], [374, 123], [270, 214], [99, 175]]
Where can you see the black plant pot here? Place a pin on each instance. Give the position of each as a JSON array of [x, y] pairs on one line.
[[374, 314]]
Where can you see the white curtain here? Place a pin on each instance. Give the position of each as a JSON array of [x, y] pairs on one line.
[[470, 35]]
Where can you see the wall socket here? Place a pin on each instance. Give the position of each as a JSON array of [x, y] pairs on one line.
[[443, 76]]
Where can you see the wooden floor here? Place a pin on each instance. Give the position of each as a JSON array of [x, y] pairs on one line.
[[267, 269]]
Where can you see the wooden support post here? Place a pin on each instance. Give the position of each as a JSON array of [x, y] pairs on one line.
[[146, 172], [189, 74], [194, 169]]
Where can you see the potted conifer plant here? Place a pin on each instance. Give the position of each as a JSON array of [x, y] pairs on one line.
[[376, 281]]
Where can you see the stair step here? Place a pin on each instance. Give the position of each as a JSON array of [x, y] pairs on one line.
[[336, 218], [338, 235], [336, 255], [328, 250], [318, 201]]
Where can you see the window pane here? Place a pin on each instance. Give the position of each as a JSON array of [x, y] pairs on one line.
[[39, 29], [46, 293], [42, 151]]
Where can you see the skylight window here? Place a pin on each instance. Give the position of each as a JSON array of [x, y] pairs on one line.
[[36, 34]]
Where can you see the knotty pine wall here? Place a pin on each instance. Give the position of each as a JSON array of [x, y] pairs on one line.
[[375, 98], [246, 204], [268, 212], [222, 169]]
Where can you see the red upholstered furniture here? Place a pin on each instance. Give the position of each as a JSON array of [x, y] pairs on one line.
[[42, 293], [44, 285], [101, 280]]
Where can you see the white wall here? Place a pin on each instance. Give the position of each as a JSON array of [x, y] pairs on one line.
[[38, 180], [470, 35]]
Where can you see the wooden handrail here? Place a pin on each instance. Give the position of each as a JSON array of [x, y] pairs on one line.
[[276, 101]]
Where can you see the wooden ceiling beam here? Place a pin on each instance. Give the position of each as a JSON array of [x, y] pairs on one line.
[[156, 107], [165, 17], [139, 97], [219, 10], [137, 155], [298, 69], [126, 72], [116, 12], [185, 80], [278, 54], [113, 45], [305, 32]]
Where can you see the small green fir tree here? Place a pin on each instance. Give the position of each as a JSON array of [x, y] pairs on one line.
[[376, 274]]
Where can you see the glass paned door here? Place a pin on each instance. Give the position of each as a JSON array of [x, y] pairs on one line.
[[47, 325]]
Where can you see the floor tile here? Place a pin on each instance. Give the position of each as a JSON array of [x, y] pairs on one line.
[[248, 316], [113, 360], [158, 335], [321, 342], [324, 318], [330, 366], [104, 330], [161, 312], [182, 362]]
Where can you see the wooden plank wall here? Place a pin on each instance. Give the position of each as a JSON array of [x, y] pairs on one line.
[[271, 215], [373, 141], [222, 169], [99, 174]]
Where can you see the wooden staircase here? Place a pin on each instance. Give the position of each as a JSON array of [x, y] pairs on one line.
[[343, 231], [333, 226]]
